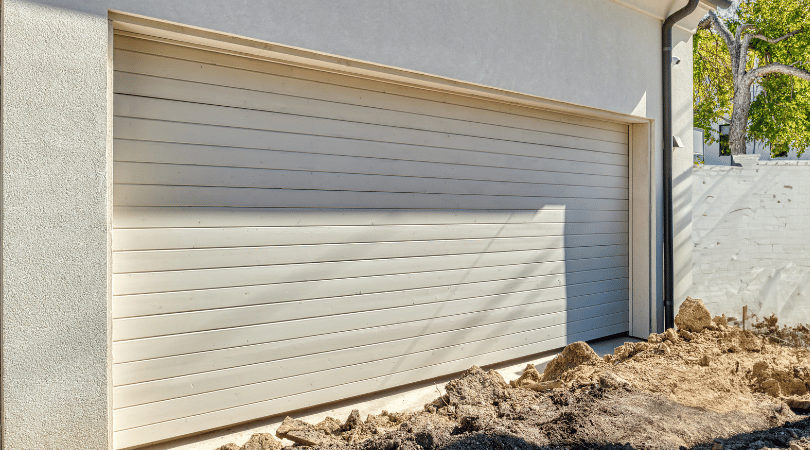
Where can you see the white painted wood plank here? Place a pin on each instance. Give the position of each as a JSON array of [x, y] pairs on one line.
[[173, 62], [160, 390], [144, 195], [547, 235], [214, 94], [157, 347], [169, 217], [195, 175], [169, 324], [136, 416], [298, 300], [186, 259], [524, 262], [192, 363], [137, 129], [169, 110], [543, 340], [363, 157]]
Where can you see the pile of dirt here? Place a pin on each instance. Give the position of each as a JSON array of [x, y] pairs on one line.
[[706, 385], [795, 336]]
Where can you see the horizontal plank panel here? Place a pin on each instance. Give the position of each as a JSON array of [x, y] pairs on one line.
[[372, 315], [129, 83], [337, 296], [524, 262], [179, 217], [138, 129], [195, 175], [144, 195], [163, 260], [420, 353], [157, 347], [546, 339], [188, 364], [164, 389], [166, 61], [548, 235], [281, 234], [357, 157], [220, 116], [141, 415]]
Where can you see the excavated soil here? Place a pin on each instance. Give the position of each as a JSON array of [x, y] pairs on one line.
[[708, 385]]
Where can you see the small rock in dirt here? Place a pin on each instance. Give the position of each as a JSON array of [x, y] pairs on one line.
[[686, 335], [720, 320], [705, 361], [302, 433], [329, 425], [291, 424], [229, 447], [693, 315], [572, 356], [262, 441], [353, 421], [794, 446], [655, 339], [610, 380], [671, 336], [309, 438], [530, 375]]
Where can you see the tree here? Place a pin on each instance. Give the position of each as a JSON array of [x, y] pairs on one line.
[[762, 45]]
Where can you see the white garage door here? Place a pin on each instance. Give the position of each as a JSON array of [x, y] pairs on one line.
[[285, 237]]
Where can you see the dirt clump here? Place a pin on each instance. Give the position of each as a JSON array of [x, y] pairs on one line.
[[693, 315], [573, 355], [229, 447], [795, 336], [261, 441]]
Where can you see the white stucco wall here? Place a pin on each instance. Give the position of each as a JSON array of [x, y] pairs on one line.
[[56, 169], [752, 239]]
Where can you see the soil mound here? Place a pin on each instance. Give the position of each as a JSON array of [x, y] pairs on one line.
[[693, 315], [573, 355], [704, 386]]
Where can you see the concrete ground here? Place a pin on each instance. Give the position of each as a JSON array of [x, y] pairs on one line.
[[407, 398]]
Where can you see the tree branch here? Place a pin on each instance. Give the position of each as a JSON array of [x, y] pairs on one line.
[[730, 42], [744, 44], [779, 39], [783, 69], [741, 29]]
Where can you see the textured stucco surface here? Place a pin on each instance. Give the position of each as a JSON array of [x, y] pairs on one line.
[[54, 262], [682, 126], [56, 162], [752, 239]]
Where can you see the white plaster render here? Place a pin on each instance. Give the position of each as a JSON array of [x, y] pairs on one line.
[[752, 239], [55, 230], [56, 169]]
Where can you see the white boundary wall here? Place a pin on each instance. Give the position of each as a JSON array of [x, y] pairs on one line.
[[751, 232]]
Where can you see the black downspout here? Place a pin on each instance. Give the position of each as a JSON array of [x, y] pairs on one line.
[[666, 69]]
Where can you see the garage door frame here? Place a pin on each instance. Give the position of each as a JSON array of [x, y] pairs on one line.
[[641, 188]]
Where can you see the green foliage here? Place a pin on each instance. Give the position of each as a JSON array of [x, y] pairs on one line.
[[780, 113]]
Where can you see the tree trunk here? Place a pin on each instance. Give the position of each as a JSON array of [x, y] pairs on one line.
[[739, 120]]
